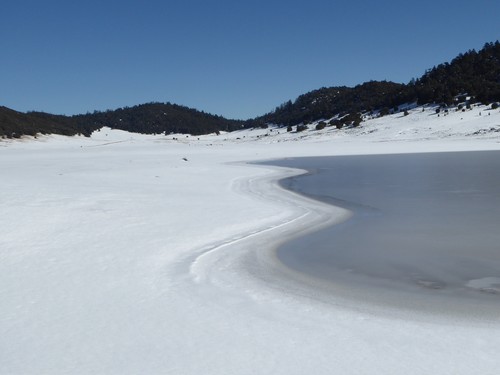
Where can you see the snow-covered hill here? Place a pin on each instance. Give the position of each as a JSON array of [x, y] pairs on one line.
[[421, 123]]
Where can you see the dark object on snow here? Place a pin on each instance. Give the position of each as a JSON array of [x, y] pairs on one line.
[[185, 159]]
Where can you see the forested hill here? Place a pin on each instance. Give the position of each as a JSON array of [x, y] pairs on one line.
[[156, 118], [14, 124], [328, 102], [146, 118], [475, 74]]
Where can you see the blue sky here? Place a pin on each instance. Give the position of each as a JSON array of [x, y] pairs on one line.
[[236, 59]]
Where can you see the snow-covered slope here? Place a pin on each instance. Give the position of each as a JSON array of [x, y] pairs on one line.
[[422, 123], [126, 253]]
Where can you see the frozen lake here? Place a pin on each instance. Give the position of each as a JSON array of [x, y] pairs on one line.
[[425, 230]]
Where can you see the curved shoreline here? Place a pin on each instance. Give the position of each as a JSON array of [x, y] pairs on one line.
[[303, 215], [481, 300], [250, 263]]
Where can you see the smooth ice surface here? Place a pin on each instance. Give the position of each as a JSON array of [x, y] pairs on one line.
[[117, 256], [423, 225]]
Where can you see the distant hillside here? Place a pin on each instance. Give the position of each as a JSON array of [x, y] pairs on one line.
[[159, 118], [476, 74], [328, 102], [146, 118], [14, 124], [472, 74]]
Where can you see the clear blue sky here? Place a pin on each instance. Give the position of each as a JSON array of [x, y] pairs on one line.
[[234, 58]]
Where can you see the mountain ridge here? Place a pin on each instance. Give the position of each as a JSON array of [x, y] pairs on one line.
[[474, 73]]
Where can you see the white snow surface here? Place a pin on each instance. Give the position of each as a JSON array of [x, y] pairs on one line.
[[117, 256]]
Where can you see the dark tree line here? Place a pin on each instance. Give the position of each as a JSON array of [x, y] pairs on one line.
[[329, 102], [156, 118], [476, 74], [14, 124], [151, 118]]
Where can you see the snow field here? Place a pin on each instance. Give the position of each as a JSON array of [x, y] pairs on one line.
[[118, 256]]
